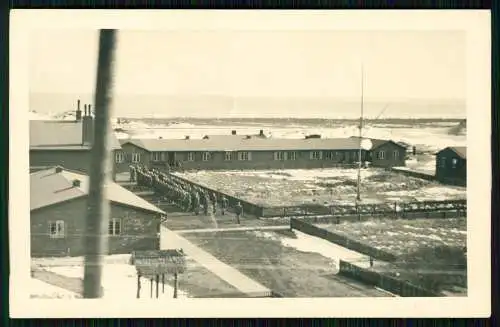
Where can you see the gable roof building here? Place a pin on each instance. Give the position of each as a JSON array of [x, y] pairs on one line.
[[56, 185], [451, 165], [244, 144], [58, 213], [68, 142], [460, 151], [62, 135]]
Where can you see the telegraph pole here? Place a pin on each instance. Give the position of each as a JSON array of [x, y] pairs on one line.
[[358, 197], [96, 233]]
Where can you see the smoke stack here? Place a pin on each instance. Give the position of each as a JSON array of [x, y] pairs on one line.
[[90, 111], [87, 127], [84, 110], [233, 132], [78, 111]]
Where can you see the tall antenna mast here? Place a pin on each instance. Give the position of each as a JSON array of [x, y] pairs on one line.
[[358, 197]]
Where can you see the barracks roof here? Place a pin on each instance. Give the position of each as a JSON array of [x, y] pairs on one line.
[[51, 186], [244, 144], [61, 135], [461, 151]]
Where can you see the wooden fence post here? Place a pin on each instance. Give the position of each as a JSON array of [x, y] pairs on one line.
[[138, 285], [176, 285], [157, 285]]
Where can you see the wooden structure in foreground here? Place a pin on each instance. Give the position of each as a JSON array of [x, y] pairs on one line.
[[152, 264]]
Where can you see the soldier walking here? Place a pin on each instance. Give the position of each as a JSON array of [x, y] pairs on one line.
[[205, 207], [239, 212], [223, 204], [214, 207], [196, 203]]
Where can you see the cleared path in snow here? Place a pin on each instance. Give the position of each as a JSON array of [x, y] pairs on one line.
[[71, 284], [233, 229], [231, 275]]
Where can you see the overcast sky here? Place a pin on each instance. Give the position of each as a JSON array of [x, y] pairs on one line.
[[398, 65]]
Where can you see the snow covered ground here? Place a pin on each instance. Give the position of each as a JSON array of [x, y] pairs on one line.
[[425, 138], [300, 174], [308, 243], [42, 290], [428, 136], [39, 116], [403, 236], [329, 185], [119, 278]]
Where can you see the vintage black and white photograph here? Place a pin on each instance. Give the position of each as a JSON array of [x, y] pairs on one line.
[[227, 161]]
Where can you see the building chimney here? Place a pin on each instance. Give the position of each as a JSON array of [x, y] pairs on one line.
[[78, 111], [87, 127], [261, 133], [76, 183], [186, 137], [90, 111], [59, 170], [233, 132]]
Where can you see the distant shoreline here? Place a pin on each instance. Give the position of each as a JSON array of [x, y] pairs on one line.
[[312, 121]]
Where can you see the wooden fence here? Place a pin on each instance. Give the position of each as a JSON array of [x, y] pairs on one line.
[[341, 240], [413, 173], [390, 284], [405, 210], [421, 209]]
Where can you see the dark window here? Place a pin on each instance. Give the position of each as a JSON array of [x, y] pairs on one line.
[[114, 227], [443, 162]]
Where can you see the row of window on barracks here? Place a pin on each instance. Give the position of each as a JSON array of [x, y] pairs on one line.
[[137, 157]]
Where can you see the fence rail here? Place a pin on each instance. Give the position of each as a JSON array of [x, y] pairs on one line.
[[405, 210], [414, 173], [351, 270], [390, 284], [341, 240], [422, 209]]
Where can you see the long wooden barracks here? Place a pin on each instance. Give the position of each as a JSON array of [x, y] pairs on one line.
[[257, 152]]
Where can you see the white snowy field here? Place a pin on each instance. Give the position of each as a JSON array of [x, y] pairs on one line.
[[119, 278], [329, 185], [42, 290], [39, 116], [426, 136], [404, 236], [425, 166], [307, 243]]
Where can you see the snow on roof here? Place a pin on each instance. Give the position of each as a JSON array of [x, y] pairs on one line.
[[245, 144], [378, 142], [461, 151], [61, 135], [51, 186]]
